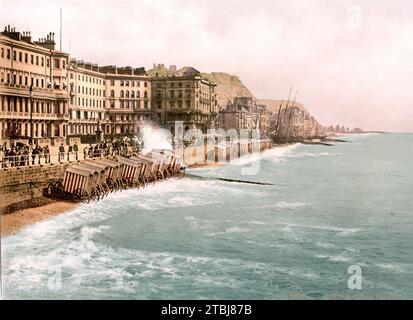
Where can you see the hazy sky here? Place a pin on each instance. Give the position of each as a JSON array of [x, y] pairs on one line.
[[352, 61]]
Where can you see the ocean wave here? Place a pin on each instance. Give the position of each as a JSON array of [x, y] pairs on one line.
[[310, 154], [234, 229], [285, 205], [340, 231], [275, 154], [390, 266], [337, 258]]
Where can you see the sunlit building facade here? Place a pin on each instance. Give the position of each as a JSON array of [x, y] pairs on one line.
[[41, 113]]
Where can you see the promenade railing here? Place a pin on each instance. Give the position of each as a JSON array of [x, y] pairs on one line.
[[30, 159]]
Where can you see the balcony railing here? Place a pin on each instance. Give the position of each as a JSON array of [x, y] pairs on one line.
[[35, 115]]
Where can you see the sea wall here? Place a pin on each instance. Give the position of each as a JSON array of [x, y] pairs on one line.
[[20, 184], [25, 184]]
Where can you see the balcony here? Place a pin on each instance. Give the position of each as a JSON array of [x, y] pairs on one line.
[[117, 110], [36, 116]]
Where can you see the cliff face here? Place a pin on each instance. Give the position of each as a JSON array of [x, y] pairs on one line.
[[228, 87]]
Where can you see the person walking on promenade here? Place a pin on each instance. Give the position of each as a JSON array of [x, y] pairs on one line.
[[69, 151], [90, 151], [33, 151], [61, 152], [75, 149], [46, 152]]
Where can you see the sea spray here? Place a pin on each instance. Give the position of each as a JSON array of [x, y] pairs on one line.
[[155, 138]]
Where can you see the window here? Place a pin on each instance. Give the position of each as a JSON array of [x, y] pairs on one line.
[[20, 57], [31, 59], [47, 62], [25, 81], [112, 82], [56, 63], [132, 94], [145, 94], [42, 62], [145, 84], [127, 83], [122, 83], [138, 94], [2, 52], [138, 84], [127, 93], [8, 53], [20, 80], [37, 60], [122, 94], [14, 55]]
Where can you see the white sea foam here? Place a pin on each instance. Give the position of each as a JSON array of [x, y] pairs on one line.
[[236, 230], [275, 154], [285, 205], [310, 154], [390, 266], [337, 258], [340, 231], [155, 138]]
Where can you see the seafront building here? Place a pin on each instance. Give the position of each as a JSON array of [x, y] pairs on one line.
[[128, 100], [33, 88], [184, 96], [87, 104], [244, 114], [45, 98], [293, 120]]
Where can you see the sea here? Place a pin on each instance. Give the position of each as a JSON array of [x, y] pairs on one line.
[[334, 222]]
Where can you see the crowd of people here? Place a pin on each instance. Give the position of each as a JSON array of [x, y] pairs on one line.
[[22, 155]]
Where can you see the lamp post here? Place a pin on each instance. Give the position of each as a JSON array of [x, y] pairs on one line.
[[31, 114]]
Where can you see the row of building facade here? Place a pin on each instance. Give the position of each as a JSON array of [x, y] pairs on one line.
[[45, 94]]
